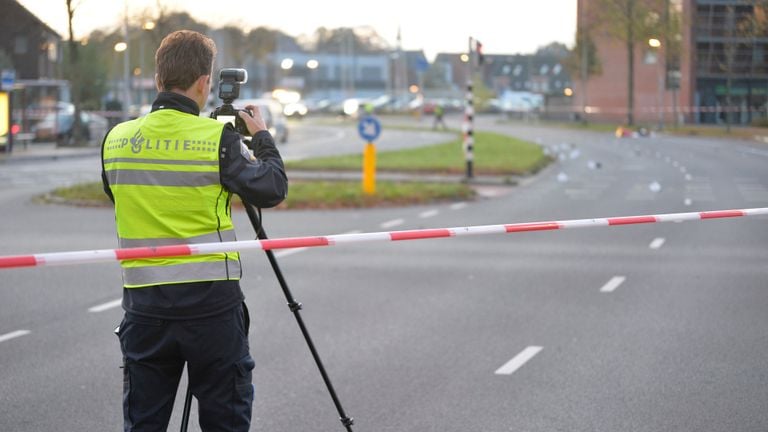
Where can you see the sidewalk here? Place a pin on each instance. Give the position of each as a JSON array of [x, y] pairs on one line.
[[43, 151]]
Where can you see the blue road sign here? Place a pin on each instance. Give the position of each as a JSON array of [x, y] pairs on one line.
[[369, 128], [8, 78], [422, 65]]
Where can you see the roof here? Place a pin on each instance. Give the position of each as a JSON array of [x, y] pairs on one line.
[[6, 5]]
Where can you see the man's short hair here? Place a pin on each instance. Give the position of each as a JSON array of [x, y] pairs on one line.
[[183, 57]]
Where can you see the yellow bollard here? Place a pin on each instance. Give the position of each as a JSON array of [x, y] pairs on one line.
[[369, 169]]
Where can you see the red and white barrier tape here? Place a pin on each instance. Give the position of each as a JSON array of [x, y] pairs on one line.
[[109, 255]]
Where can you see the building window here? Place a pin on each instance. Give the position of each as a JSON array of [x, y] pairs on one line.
[[20, 45], [370, 73], [53, 51]]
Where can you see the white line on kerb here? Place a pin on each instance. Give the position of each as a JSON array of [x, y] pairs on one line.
[[612, 284], [429, 213], [285, 253], [392, 223], [13, 335], [106, 306], [657, 243], [518, 361]]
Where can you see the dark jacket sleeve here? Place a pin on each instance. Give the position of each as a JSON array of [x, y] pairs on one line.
[[104, 181], [260, 179]]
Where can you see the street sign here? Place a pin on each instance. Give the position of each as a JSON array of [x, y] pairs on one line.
[[8, 78], [422, 65], [369, 128]]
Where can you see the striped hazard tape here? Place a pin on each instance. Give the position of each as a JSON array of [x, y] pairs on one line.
[[110, 255]]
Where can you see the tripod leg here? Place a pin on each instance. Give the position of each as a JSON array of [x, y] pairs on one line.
[[187, 406], [295, 308]]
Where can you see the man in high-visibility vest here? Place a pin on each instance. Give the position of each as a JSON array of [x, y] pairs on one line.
[[171, 175]]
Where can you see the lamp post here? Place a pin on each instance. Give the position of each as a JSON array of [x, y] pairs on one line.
[[147, 27], [122, 47], [655, 44], [285, 66], [312, 65]]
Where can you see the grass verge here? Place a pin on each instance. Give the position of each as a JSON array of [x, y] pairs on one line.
[[495, 154], [303, 195]]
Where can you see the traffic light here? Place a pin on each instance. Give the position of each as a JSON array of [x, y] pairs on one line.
[[479, 50]]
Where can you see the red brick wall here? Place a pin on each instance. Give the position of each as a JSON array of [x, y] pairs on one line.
[[607, 93]]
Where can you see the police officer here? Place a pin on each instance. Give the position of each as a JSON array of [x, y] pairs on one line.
[[171, 175]]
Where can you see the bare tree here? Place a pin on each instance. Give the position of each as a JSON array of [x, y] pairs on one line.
[[74, 60], [632, 23]]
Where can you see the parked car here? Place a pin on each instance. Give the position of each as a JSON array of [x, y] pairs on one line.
[[272, 112], [58, 126]]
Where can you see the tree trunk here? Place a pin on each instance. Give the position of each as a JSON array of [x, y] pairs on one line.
[[75, 136], [730, 53]]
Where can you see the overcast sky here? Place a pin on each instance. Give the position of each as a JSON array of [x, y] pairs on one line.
[[504, 26]]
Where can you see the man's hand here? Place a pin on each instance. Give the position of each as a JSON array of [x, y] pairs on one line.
[[254, 123]]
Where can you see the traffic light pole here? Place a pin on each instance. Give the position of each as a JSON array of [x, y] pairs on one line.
[[469, 115]]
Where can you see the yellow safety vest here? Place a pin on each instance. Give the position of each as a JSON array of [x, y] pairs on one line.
[[163, 170]]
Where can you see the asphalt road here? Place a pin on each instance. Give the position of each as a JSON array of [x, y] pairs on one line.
[[636, 328]]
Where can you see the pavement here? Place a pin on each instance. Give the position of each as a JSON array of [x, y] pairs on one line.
[[45, 151]]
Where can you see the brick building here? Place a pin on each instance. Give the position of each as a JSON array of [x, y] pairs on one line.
[[715, 49]]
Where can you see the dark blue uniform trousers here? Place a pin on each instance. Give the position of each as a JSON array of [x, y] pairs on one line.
[[219, 364]]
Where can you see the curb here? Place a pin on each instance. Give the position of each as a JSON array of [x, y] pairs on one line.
[[38, 155]]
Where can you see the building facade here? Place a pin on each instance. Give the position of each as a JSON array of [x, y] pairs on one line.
[[713, 70], [729, 60], [32, 48]]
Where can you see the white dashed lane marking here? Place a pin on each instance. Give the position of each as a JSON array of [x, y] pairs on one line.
[[518, 361], [392, 223], [14, 335], [106, 306], [612, 284], [657, 243]]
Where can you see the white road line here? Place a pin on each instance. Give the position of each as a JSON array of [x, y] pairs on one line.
[[106, 306], [13, 335], [612, 284], [657, 243], [429, 213], [688, 201], [285, 253], [518, 361], [458, 205], [392, 223]]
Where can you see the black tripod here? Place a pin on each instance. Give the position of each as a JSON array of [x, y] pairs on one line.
[[295, 307]]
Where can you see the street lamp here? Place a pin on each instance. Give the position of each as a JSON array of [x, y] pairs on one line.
[[312, 64], [655, 44], [147, 26], [122, 47]]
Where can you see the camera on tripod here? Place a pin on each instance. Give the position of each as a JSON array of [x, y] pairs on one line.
[[229, 90]]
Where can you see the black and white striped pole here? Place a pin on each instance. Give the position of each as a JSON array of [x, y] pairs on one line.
[[469, 114]]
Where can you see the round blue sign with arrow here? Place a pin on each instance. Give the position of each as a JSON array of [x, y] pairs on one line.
[[369, 128]]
